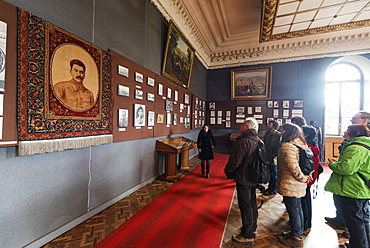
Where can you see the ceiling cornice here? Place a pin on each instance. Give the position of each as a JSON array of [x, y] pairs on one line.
[[308, 47]]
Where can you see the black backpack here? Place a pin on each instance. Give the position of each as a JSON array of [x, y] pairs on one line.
[[305, 160], [259, 168]]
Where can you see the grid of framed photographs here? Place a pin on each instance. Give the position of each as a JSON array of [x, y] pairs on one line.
[[231, 114], [198, 112], [147, 104]]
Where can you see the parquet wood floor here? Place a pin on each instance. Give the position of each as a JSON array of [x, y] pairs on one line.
[[272, 220]]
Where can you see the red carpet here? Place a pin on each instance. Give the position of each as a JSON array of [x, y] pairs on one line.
[[191, 213]]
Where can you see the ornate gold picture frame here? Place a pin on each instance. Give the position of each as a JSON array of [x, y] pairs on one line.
[[178, 59], [251, 83]]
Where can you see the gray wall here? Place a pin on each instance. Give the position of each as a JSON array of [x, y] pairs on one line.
[[291, 80], [49, 193]]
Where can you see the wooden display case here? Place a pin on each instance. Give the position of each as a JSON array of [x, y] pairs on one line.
[[171, 147]]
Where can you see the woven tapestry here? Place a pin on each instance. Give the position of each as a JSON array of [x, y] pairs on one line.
[[64, 89]]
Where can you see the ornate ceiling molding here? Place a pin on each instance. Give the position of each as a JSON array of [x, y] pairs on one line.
[[320, 48], [269, 14], [296, 48]]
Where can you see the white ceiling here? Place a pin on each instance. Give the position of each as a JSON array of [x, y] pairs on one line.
[[228, 33]]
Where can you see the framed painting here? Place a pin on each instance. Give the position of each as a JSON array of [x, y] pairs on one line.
[[178, 58], [251, 83]]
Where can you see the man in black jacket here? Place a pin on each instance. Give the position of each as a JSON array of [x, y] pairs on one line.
[[246, 189]]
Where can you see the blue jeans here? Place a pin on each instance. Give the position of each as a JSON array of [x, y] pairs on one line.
[[294, 207], [339, 211], [356, 215], [248, 209]]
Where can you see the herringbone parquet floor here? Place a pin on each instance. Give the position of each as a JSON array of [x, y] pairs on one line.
[[272, 220]]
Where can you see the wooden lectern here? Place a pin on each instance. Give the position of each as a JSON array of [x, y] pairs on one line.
[[171, 147]]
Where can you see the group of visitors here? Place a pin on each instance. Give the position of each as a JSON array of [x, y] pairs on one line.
[[347, 182]]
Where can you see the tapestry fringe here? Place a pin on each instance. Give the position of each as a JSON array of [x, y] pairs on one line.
[[43, 146]]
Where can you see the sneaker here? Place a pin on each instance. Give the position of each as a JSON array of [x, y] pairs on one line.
[[335, 223], [307, 231], [291, 241], [261, 188], [269, 193], [347, 245], [346, 234], [241, 240], [255, 234]]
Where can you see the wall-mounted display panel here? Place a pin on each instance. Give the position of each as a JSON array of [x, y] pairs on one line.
[[8, 75]]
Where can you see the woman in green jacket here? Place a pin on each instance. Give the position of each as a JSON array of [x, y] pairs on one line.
[[346, 182]]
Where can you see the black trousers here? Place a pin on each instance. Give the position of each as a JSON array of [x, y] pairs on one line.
[[248, 209], [356, 215], [205, 166]]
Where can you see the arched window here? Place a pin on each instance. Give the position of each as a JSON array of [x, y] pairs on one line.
[[343, 96]]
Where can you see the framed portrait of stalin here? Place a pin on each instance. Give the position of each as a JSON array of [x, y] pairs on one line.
[[64, 85], [75, 71]]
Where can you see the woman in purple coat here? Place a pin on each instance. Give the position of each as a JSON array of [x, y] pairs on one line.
[[206, 142]]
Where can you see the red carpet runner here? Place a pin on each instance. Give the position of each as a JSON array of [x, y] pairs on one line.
[[191, 213]]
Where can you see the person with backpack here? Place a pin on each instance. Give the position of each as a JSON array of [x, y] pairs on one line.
[[310, 134], [349, 181], [246, 145], [272, 140], [291, 182]]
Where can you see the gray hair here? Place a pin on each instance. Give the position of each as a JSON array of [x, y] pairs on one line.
[[364, 114], [251, 123]]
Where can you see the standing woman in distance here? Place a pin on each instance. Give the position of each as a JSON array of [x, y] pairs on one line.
[[291, 182], [206, 142]]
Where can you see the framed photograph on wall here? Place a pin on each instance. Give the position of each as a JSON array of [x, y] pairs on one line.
[[122, 117], [139, 94], [123, 71], [139, 77], [179, 57], [150, 97], [150, 81], [169, 105], [251, 83], [174, 119], [186, 99], [176, 96], [123, 90], [139, 118], [160, 118], [160, 89], [168, 118], [151, 115], [298, 103]]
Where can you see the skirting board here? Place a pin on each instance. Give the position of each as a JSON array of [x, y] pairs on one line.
[[56, 233]]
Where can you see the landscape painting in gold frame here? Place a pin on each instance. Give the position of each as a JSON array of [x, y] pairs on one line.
[[178, 58], [251, 83]]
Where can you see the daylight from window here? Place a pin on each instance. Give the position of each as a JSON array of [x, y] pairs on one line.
[[342, 97]]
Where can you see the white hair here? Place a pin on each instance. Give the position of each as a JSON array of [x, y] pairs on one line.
[[251, 123]]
